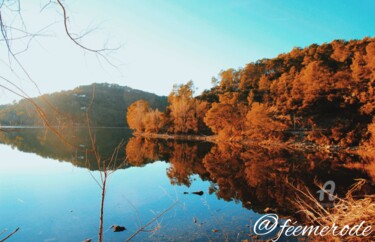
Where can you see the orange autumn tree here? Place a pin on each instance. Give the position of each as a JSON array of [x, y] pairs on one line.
[[227, 118], [182, 109], [369, 95], [135, 114], [185, 112], [153, 121], [142, 118], [261, 123]]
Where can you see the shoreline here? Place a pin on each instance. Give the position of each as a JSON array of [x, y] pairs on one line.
[[300, 145], [192, 137]]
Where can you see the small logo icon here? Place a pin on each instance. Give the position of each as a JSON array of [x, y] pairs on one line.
[[328, 188]]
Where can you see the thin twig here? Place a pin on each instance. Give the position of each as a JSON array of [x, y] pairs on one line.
[[68, 33], [151, 221], [15, 231], [136, 212]]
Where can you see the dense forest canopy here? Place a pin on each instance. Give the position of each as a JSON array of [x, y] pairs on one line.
[[323, 93]]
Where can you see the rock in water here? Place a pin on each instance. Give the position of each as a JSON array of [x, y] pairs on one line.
[[200, 193], [118, 228]]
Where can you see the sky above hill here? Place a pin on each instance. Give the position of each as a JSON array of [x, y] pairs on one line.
[[170, 41]]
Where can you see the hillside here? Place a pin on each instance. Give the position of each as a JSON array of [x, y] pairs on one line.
[[321, 94], [105, 103]]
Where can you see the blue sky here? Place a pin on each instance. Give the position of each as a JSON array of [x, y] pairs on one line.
[[174, 41]]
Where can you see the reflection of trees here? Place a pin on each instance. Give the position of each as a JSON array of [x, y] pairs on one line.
[[140, 151], [252, 175], [367, 151], [257, 177], [186, 160], [368, 164], [180, 169], [185, 157], [225, 167]]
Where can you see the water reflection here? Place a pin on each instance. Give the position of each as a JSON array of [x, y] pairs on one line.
[[185, 158], [256, 178], [259, 178], [76, 148]]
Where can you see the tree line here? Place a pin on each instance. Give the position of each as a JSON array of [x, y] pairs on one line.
[[324, 94]]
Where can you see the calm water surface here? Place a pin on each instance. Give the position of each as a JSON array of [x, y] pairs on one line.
[[48, 187]]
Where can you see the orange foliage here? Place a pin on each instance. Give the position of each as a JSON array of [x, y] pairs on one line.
[[183, 109], [327, 91], [135, 114], [260, 124], [153, 121]]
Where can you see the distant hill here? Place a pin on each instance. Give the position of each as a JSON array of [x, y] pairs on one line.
[[105, 103]]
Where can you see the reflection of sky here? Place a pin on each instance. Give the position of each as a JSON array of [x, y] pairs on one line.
[[48, 199]]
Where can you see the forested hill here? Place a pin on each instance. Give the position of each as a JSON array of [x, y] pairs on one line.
[[324, 94], [108, 107], [327, 90]]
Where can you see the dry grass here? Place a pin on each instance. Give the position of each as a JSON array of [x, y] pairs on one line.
[[344, 211]]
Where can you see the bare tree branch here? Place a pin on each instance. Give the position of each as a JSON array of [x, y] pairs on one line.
[[68, 33], [15, 231]]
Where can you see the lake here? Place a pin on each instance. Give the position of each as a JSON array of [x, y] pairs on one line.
[[49, 187]]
